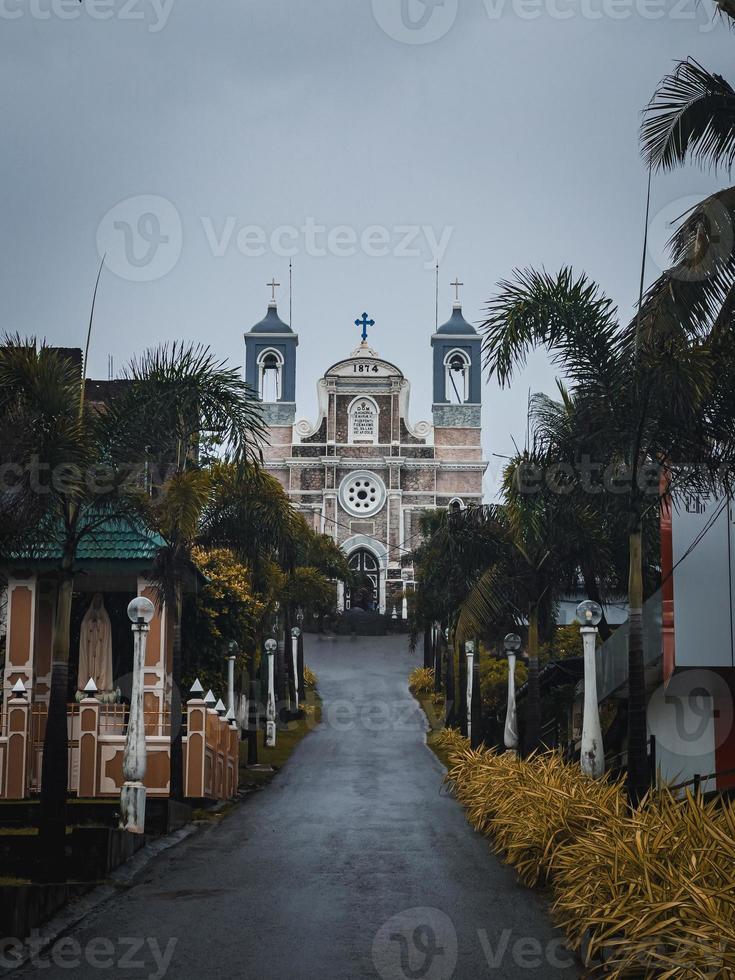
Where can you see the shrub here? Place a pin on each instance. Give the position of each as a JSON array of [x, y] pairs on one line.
[[421, 681], [310, 679], [650, 891]]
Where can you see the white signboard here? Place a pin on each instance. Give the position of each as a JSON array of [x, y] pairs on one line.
[[703, 545], [363, 421]]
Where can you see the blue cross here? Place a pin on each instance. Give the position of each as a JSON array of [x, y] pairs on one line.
[[364, 323]]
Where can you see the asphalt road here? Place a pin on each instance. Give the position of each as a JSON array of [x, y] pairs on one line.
[[353, 863]]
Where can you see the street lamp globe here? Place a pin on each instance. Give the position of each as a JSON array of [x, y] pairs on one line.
[[270, 646], [295, 632], [589, 613], [512, 643], [233, 648], [141, 610]]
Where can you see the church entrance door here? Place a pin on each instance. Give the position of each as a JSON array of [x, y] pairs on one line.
[[365, 593]]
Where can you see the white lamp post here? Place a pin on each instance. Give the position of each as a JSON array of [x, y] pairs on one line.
[[270, 705], [132, 794], [511, 644], [469, 649], [589, 614], [232, 650], [295, 634]]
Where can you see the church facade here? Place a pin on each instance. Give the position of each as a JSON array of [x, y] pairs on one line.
[[362, 472]]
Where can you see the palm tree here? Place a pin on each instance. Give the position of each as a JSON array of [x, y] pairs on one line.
[[180, 402], [599, 520], [53, 438], [250, 513], [691, 118], [531, 551], [644, 394]]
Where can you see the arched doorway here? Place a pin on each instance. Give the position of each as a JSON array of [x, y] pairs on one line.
[[365, 593]]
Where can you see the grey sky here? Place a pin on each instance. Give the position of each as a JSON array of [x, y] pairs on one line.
[[514, 133]]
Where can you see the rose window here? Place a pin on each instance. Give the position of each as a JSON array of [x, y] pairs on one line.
[[362, 494]]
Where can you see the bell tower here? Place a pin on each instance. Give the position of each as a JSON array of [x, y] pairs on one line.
[[270, 365], [457, 400]]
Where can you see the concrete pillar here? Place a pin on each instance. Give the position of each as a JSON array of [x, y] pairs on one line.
[[21, 633], [15, 782], [196, 728], [89, 727], [157, 668]]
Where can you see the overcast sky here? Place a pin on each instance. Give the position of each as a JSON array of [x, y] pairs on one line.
[[201, 143]]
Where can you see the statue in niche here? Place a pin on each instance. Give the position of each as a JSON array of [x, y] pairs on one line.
[[95, 648]]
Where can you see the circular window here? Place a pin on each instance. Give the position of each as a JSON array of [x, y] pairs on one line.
[[362, 494]]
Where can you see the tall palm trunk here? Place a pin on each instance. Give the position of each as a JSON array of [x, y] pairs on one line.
[[291, 668], [177, 749], [533, 702], [281, 672], [55, 766], [593, 592], [638, 771], [437, 659], [300, 667], [253, 703], [428, 652], [450, 693]]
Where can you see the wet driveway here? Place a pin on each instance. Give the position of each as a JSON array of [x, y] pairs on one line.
[[353, 863]]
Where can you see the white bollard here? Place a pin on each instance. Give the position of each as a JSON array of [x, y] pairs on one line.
[[231, 684], [510, 733], [593, 752], [469, 649], [295, 634], [132, 794], [589, 613], [270, 705]]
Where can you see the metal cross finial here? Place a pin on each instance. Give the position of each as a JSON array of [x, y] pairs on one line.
[[456, 285], [274, 285], [364, 323]]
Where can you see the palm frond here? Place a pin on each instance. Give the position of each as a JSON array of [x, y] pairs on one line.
[[567, 314], [690, 300], [487, 602], [192, 395], [690, 116]]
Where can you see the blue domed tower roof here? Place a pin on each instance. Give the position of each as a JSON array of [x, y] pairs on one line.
[[456, 324], [271, 322], [271, 344]]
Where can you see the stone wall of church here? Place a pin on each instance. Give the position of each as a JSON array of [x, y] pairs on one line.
[[457, 482], [278, 443], [311, 479], [417, 479]]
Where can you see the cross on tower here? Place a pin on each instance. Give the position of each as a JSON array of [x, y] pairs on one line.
[[456, 285], [273, 285], [364, 323]]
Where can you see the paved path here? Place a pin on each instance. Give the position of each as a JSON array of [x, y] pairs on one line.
[[353, 863]]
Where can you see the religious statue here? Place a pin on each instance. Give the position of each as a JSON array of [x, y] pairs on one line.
[[95, 647]]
